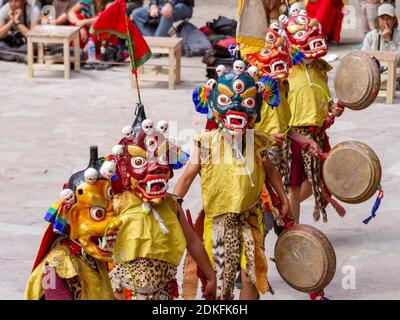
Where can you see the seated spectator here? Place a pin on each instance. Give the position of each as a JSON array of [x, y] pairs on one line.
[[386, 35], [157, 19], [83, 14], [61, 7], [17, 17], [132, 5]]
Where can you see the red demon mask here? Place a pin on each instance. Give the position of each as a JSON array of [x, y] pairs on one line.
[[305, 34], [274, 60], [145, 159]]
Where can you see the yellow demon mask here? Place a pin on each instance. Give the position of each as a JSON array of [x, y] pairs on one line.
[[86, 210]]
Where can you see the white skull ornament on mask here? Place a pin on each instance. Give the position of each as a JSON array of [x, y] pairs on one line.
[[117, 150], [252, 71], [162, 126], [239, 67], [108, 169], [148, 127], [128, 133], [221, 70], [91, 175], [283, 19], [67, 196], [211, 83]]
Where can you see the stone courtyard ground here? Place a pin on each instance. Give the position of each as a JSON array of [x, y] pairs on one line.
[[47, 125]]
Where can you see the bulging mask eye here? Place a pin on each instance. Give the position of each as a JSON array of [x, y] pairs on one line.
[[249, 103], [138, 162], [265, 52], [224, 100], [110, 193], [270, 38], [299, 35], [151, 143], [97, 213], [238, 86]]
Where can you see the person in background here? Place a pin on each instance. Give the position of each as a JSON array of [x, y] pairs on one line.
[[132, 5], [329, 14], [369, 12], [83, 14], [385, 36], [17, 17], [61, 7], [157, 19]]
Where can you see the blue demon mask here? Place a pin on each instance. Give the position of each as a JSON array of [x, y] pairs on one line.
[[235, 100]]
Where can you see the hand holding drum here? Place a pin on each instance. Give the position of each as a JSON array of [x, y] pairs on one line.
[[357, 82]]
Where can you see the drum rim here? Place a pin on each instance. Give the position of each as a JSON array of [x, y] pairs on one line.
[[367, 189], [325, 246], [374, 82], [373, 164]]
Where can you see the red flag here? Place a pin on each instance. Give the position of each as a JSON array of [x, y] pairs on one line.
[[113, 20]]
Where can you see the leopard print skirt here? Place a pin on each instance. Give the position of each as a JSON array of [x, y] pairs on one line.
[[281, 159], [238, 243], [312, 169], [149, 277]]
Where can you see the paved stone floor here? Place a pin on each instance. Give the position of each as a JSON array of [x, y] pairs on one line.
[[47, 125]]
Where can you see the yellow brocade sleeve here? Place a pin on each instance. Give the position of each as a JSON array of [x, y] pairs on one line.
[[275, 120]]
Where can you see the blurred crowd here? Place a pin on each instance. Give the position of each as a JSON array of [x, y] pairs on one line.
[[17, 17]]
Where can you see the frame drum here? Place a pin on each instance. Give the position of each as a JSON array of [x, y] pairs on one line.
[[305, 258], [352, 172], [357, 80]]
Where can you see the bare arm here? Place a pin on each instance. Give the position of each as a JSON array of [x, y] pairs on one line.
[[73, 18], [191, 171], [301, 140], [23, 29], [199, 254], [5, 28], [62, 19], [275, 179]]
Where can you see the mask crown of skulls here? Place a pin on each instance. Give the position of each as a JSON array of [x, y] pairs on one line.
[[85, 209], [305, 34], [146, 158], [234, 100]]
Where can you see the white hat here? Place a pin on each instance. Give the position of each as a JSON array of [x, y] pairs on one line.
[[386, 9]]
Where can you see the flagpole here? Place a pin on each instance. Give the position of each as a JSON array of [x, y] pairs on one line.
[[132, 56]]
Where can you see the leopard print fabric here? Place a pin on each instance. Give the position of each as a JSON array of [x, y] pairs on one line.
[[148, 274], [281, 159], [75, 287], [312, 168], [232, 236]]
